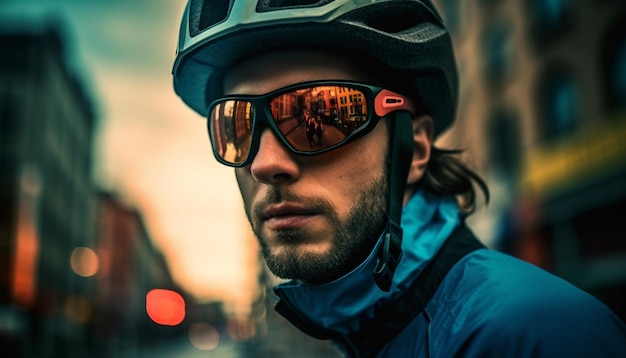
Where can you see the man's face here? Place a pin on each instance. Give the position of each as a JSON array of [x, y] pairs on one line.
[[316, 217]]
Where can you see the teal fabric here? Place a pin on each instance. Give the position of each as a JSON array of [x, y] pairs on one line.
[[424, 231], [489, 304], [493, 305]]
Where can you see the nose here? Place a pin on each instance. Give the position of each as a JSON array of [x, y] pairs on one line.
[[274, 163]]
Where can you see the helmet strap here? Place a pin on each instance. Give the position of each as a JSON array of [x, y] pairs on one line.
[[401, 154]]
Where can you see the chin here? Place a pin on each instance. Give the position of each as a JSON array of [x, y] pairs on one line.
[[313, 264]]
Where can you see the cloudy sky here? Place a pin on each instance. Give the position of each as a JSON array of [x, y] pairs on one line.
[[150, 148]]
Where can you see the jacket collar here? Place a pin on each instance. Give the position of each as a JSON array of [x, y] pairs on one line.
[[341, 305]]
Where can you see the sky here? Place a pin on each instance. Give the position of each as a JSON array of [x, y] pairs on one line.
[[150, 148]]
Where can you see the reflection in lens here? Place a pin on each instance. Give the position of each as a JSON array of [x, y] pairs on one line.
[[231, 128], [315, 118]]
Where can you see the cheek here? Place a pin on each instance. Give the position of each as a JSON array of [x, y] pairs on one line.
[[246, 184], [349, 175], [361, 161]]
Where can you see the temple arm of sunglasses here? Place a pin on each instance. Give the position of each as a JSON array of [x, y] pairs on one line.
[[387, 101]]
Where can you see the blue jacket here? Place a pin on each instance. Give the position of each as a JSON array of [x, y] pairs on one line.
[[488, 305]]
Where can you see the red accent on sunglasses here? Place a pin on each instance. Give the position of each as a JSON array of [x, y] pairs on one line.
[[388, 101]]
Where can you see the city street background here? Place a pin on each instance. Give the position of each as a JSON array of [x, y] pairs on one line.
[[121, 235]]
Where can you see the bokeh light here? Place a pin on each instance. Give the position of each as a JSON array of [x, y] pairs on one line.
[[241, 329], [84, 261], [165, 307], [204, 336]]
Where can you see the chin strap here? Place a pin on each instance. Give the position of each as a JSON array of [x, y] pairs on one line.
[[401, 154]]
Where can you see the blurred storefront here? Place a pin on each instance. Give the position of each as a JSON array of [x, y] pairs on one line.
[[578, 228], [543, 117]]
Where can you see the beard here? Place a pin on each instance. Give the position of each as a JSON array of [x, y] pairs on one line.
[[352, 240]]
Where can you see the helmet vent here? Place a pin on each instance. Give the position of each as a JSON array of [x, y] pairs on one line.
[[396, 21], [272, 5], [206, 14]]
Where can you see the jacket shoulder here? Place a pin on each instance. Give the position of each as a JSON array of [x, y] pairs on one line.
[[492, 304]]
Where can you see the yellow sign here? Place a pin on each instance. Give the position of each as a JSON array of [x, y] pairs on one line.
[[595, 150]]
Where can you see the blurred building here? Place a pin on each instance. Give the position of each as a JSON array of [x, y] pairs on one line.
[[543, 117], [129, 268], [46, 126], [76, 264]]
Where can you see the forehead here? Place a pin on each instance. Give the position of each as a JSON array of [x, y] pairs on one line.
[[273, 70]]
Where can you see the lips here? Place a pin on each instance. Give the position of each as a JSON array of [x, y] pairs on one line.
[[286, 215]]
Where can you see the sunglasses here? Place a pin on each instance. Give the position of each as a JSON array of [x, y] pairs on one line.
[[308, 118]]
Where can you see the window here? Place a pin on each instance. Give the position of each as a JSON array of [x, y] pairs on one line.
[[618, 77], [504, 136], [559, 102], [614, 65], [8, 114], [496, 52], [547, 19]]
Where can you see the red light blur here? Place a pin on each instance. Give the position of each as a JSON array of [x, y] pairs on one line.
[[165, 307]]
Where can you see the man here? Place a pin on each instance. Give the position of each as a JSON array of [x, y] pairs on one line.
[[369, 225]]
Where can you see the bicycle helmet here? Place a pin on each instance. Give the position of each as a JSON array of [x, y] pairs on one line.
[[405, 35]]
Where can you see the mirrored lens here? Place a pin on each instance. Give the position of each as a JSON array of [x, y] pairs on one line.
[[231, 130], [315, 118]]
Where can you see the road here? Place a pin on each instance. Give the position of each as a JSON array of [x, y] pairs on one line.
[[183, 349]]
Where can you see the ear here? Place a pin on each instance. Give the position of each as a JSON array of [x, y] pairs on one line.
[[422, 142]]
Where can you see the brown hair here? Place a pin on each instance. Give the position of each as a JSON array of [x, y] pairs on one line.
[[446, 174]]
